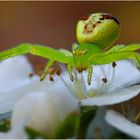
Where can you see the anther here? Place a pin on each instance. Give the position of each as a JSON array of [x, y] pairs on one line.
[[58, 72], [104, 80], [31, 75], [50, 71], [51, 78], [114, 64]]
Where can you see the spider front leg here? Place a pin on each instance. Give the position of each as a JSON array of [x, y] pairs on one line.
[[49, 64], [69, 67], [39, 50], [51, 61], [43, 51], [90, 72], [116, 53]]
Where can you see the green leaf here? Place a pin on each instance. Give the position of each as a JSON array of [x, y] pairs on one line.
[[32, 133], [87, 115], [69, 127], [120, 135], [5, 125]]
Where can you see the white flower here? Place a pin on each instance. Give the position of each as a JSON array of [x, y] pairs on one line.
[[118, 121], [41, 111], [14, 81], [109, 85], [40, 105]]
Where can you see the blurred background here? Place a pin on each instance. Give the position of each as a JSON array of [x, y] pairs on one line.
[[53, 23]]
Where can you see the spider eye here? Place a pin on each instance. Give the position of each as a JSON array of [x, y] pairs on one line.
[[100, 28]]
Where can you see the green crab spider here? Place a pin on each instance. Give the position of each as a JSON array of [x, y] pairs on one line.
[[95, 33]]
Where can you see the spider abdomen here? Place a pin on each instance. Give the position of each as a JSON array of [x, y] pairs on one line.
[[100, 28]]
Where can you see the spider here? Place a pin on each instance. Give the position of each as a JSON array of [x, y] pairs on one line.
[[95, 34]]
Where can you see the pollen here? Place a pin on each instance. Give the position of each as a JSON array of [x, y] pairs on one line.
[[104, 80]]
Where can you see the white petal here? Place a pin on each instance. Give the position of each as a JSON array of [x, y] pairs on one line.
[[14, 73], [112, 98], [121, 123], [126, 74], [9, 99], [44, 110]]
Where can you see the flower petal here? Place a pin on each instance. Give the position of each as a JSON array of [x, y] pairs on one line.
[[126, 74], [9, 99], [14, 73], [15, 81], [44, 110], [118, 121], [117, 96]]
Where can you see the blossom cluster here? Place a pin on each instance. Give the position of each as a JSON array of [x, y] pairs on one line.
[[43, 106]]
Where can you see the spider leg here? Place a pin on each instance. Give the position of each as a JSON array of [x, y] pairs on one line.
[[49, 64], [62, 56], [38, 50], [118, 52], [69, 67], [65, 52], [90, 72], [51, 61]]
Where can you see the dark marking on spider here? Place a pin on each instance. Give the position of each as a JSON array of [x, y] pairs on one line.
[[85, 17], [109, 17], [94, 25], [104, 80], [87, 29]]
